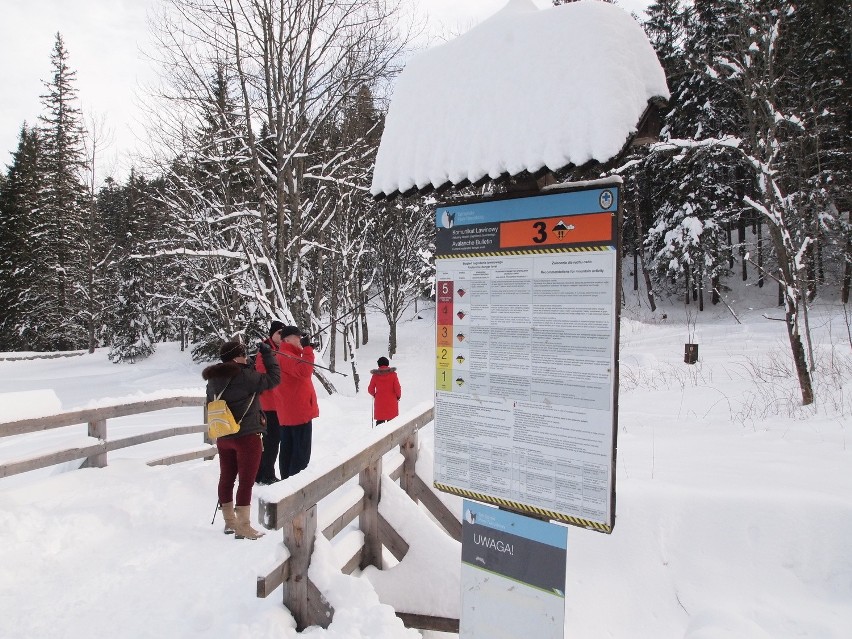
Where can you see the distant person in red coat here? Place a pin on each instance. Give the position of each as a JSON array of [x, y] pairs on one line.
[[384, 387]]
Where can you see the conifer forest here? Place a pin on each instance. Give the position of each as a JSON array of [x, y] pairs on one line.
[[254, 202]]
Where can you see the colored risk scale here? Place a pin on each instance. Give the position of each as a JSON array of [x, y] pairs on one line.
[[444, 336]]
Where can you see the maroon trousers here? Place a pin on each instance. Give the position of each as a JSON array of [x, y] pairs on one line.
[[238, 456]]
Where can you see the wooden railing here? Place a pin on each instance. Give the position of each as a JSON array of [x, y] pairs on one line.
[[96, 419], [296, 514]]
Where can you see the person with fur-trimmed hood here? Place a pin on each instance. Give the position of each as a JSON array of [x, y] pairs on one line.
[[239, 454], [384, 387]]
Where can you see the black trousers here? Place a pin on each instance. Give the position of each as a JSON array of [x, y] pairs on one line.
[[266, 472], [295, 449]]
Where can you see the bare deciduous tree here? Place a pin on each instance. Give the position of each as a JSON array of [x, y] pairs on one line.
[[291, 69]]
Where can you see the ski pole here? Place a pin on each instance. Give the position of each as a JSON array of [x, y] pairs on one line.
[[304, 361], [215, 510]]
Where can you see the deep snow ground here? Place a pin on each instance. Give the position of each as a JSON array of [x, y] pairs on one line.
[[733, 515]]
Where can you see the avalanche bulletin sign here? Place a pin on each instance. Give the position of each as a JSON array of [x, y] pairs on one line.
[[526, 383]]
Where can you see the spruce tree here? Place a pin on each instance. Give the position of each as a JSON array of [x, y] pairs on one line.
[[57, 226], [696, 199], [112, 213], [19, 258], [814, 51], [133, 333]]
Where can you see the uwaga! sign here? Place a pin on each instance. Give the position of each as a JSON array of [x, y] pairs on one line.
[[526, 378]]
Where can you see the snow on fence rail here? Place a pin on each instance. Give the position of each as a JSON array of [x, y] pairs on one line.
[[17, 357], [96, 419], [296, 514]]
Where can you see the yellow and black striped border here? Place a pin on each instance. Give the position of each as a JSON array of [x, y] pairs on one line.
[[542, 251], [525, 508]]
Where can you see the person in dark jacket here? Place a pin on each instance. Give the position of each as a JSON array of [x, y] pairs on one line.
[[384, 387], [269, 403], [239, 454], [299, 406]]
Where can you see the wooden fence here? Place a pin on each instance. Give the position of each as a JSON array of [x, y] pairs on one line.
[[296, 513], [96, 419]]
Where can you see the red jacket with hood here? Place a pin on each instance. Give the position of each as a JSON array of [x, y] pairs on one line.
[[297, 399], [384, 386]]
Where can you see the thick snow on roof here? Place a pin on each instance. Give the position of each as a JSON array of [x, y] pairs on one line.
[[526, 89]]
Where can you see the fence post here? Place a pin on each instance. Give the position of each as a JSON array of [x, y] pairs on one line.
[[408, 448], [299, 537], [97, 429], [370, 480]]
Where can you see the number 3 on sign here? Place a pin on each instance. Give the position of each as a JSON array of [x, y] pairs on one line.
[[541, 236]]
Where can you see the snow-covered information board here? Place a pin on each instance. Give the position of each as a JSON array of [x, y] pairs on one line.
[[527, 352]]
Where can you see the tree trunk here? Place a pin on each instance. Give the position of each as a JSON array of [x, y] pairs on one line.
[[356, 329], [847, 271], [792, 293], [647, 275], [391, 339], [90, 283], [810, 262], [799, 356], [695, 277], [635, 267], [730, 246], [325, 382], [714, 279], [348, 347], [362, 311], [332, 329]]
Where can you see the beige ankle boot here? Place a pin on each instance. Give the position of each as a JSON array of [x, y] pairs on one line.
[[243, 528], [230, 517]]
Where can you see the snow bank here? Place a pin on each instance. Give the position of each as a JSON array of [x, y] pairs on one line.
[[29, 404]]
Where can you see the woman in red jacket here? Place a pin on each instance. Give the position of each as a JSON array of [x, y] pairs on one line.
[[384, 387], [297, 406]]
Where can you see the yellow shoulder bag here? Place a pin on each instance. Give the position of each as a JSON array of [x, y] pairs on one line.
[[220, 419]]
